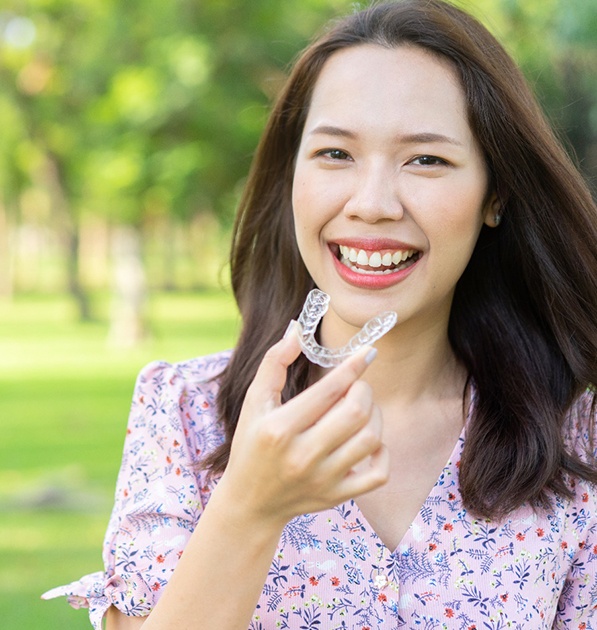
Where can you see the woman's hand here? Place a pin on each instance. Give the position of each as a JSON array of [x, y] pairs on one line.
[[315, 451]]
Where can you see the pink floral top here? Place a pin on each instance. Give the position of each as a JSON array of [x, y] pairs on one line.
[[531, 571]]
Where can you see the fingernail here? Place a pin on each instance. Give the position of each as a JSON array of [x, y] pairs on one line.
[[290, 328], [370, 356]]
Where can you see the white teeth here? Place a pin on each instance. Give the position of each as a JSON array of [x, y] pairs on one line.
[[362, 258], [375, 259]]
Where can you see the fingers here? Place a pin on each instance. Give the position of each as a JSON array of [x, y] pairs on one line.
[[373, 474], [314, 402], [347, 417], [270, 378]]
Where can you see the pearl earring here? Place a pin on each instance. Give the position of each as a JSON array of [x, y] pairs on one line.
[[497, 219]]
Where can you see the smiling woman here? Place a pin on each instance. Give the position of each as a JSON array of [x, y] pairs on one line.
[[446, 478]]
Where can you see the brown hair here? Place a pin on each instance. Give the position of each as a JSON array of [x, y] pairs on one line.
[[523, 316]]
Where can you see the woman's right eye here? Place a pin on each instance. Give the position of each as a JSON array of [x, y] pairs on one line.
[[334, 154]]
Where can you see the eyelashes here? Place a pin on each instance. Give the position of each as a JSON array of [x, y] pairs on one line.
[[339, 155]]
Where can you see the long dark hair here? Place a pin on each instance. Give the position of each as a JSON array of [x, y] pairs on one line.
[[523, 316]]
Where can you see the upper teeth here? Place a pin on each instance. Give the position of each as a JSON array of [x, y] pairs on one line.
[[375, 259]]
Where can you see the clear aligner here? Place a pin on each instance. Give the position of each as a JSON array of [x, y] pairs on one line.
[[315, 307]]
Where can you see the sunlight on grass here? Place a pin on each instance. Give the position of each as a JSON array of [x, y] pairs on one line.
[[64, 401]]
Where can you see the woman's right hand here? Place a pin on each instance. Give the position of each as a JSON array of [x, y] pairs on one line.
[[311, 453]]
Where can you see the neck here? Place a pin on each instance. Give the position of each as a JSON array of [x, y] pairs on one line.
[[414, 364]]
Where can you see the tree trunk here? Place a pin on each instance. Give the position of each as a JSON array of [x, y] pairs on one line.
[[129, 289]]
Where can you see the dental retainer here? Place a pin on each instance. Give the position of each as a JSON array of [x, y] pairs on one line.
[[315, 307]]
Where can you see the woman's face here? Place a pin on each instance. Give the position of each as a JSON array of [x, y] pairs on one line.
[[390, 186]]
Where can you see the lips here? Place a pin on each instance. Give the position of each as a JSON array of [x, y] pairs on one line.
[[374, 263]]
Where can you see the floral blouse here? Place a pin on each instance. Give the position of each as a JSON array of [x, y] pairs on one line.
[[331, 571]]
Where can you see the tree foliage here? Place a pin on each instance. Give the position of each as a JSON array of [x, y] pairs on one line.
[[139, 110]]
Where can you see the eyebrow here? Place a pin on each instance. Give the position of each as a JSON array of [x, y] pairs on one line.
[[413, 138]]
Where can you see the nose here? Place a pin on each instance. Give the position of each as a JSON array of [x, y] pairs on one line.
[[375, 195]]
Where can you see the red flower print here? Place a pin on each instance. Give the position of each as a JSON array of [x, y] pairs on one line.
[[168, 459], [449, 613], [540, 532], [520, 536], [335, 581], [156, 587], [582, 626], [178, 471], [595, 550], [126, 492], [365, 628], [432, 546], [451, 496], [448, 527], [458, 464], [161, 558], [564, 545], [313, 580], [175, 443], [141, 399], [504, 597], [382, 597], [585, 499], [473, 627], [204, 405]]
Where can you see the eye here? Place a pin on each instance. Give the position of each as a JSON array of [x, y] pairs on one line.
[[334, 154], [428, 160]]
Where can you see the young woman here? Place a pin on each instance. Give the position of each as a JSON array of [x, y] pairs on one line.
[[449, 481]]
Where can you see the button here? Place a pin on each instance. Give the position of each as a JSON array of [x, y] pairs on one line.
[[380, 581]]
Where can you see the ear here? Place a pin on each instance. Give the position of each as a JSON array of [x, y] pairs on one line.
[[493, 211]]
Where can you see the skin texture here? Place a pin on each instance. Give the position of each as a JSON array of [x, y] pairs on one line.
[[364, 176]]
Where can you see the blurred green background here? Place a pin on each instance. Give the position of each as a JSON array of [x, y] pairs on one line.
[[126, 131]]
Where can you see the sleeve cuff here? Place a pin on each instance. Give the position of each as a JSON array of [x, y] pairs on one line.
[[131, 595]]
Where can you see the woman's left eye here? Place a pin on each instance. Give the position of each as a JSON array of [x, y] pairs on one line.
[[428, 160]]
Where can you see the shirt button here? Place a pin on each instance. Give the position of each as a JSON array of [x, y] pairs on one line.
[[380, 581]]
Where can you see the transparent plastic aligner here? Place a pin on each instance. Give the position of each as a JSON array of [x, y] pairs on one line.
[[315, 307]]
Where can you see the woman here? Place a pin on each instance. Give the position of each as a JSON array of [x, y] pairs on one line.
[[405, 167]]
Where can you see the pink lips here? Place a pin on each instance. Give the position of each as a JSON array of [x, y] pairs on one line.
[[371, 281]]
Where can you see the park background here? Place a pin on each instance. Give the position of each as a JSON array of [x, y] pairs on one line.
[[126, 131]]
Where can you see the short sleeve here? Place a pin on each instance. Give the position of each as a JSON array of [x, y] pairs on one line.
[[577, 607], [160, 492]]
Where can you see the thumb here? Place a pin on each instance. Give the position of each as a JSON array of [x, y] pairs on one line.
[[270, 378]]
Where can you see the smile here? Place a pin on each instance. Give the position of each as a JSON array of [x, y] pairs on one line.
[[377, 262]]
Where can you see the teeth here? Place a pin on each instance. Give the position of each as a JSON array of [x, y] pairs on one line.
[[362, 258], [375, 259]]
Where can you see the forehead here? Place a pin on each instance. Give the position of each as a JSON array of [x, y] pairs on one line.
[[401, 88]]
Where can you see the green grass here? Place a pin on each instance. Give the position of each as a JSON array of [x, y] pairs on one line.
[[64, 400]]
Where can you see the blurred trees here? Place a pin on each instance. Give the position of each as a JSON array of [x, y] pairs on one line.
[[127, 127]]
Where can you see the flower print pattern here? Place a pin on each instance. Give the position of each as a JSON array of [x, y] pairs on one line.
[[532, 570]]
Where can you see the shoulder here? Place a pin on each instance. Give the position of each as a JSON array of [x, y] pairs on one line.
[[193, 372], [178, 397], [165, 381]]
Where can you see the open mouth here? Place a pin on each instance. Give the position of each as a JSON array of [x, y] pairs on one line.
[[381, 262]]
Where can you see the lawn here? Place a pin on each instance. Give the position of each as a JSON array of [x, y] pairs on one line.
[[64, 399]]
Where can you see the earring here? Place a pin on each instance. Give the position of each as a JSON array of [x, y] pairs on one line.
[[497, 219]]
